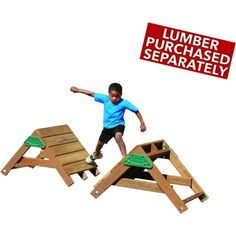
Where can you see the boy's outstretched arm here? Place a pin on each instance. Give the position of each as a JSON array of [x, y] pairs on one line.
[[142, 124], [79, 90]]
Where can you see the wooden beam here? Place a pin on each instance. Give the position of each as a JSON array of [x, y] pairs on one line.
[[196, 195], [138, 184], [109, 180], [156, 154], [18, 155], [27, 161], [139, 173], [95, 171], [82, 175], [166, 188], [51, 156], [150, 143], [179, 180], [109, 173]]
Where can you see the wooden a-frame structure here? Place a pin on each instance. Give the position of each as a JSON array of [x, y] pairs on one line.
[[60, 149], [139, 171]]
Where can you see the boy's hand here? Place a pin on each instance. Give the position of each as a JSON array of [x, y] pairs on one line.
[[143, 127], [83, 91], [74, 89]]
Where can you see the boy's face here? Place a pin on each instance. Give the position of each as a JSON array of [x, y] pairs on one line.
[[114, 96]]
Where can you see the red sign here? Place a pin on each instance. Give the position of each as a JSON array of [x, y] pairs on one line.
[[186, 50]]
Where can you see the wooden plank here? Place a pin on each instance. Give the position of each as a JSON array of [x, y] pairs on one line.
[[166, 188], [139, 173], [196, 195], [158, 153], [109, 180], [11, 163], [54, 130], [40, 156], [138, 184], [152, 146], [60, 139], [77, 167], [179, 180], [67, 148], [185, 173], [27, 161], [149, 143], [72, 157]]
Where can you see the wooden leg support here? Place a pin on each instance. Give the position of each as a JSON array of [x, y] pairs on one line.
[[185, 173], [95, 171], [166, 188], [82, 175], [19, 154], [51, 156], [109, 180]]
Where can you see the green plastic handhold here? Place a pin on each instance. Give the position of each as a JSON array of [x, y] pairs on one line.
[[138, 160], [34, 141]]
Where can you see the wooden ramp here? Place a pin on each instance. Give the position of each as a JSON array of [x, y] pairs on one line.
[[138, 170], [60, 149]]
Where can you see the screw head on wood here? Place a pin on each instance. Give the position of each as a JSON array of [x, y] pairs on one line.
[[181, 208]]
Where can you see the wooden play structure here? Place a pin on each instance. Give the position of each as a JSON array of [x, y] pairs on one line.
[[138, 170], [60, 149]]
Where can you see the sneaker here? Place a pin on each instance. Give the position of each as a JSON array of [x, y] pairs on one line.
[[92, 157]]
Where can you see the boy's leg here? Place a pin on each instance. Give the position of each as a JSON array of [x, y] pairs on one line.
[[98, 148], [120, 142], [105, 136], [96, 154]]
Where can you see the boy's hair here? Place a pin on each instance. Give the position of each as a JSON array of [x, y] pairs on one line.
[[115, 87]]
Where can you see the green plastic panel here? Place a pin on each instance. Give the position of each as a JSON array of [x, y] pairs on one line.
[[34, 141], [138, 160]]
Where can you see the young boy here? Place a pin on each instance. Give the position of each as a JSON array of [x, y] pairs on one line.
[[113, 120]]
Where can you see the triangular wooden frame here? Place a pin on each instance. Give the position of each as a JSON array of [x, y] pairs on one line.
[[152, 179], [63, 151]]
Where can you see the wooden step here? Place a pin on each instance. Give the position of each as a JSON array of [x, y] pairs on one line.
[[67, 148], [54, 130], [72, 157], [60, 139], [79, 166]]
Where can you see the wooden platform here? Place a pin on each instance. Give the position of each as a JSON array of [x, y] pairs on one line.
[[60, 149], [145, 175]]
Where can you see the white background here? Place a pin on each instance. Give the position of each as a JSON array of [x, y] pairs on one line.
[[48, 46]]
